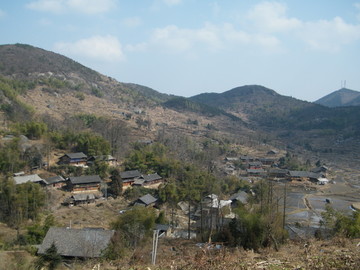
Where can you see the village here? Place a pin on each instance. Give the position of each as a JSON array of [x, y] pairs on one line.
[[80, 239]]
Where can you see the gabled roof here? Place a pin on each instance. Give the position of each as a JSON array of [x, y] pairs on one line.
[[79, 155], [255, 170], [28, 178], [86, 243], [102, 158], [151, 177], [130, 174], [85, 179], [55, 179], [304, 174], [255, 163], [278, 171], [83, 197], [240, 196], [147, 199]]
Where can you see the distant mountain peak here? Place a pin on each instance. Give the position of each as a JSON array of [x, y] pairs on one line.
[[340, 98]]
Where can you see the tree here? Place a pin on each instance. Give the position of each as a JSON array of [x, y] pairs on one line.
[[116, 182], [135, 225], [50, 258]]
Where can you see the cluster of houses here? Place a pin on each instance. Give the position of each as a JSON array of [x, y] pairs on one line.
[[86, 188], [267, 168]]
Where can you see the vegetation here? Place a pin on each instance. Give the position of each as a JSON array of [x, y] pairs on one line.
[[20, 203], [86, 142]]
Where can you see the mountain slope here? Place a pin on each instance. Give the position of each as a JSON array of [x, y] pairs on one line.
[[341, 97]]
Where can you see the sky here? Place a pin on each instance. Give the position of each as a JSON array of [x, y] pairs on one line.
[[305, 49]]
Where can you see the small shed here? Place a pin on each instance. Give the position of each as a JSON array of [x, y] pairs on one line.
[[146, 200]]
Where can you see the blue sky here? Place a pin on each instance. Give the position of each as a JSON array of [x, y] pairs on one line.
[[304, 49]]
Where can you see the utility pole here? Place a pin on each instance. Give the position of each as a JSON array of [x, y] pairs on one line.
[[154, 247], [284, 206]]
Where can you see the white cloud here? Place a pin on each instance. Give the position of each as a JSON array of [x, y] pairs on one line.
[[2, 13], [103, 48], [326, 35], [81, 6], [271, 17], [132, 22], [357, 6], [330, 35], [210, 37], [54, 6], [140, 47], [172, 2], [181, 39], [91, 6]]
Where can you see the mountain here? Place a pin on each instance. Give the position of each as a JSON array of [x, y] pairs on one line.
[[60, 73], [45, 85], [341, 97]]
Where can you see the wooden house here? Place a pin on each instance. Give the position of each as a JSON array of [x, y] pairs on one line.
[[255, 165], [277, 173], [108, 159], [129, 177], [86, 183], [148, 180], [304, 176], [255, 172], [74, 159], [146, 200], [55, 181]]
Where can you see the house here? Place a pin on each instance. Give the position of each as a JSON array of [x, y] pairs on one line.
[[213, 212], [246, 158], [148, 180], [272, 152], [231, 159], [146, 200], [277, 173], [129, 177], [74, 159], [82, 198], [77, 243], [255, 165], [85, 183], [240, 196], [304, 176], [109, 159], [34, 178], [255, 172], [322, 169], [56, 181], [267, 161]]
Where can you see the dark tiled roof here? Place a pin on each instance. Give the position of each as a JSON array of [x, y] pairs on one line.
[[83, 197], [85, 179], [76, 155], [151, 177], [130, 174], [86, 243], [255, 170], [303, 174], [55, 179], [147, 199], [240, 196], [278, 171]]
